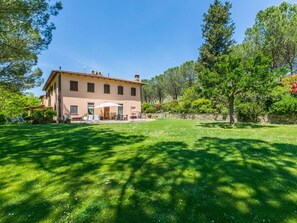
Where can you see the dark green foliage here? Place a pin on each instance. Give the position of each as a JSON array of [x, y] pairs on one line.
[[43, 116], [171, 84], [286, 106], [14, 103], [217, 30], [202, 105], [173, 80], [25, 30], [274, 34], [234, 75], [2, 119], [249, 111]]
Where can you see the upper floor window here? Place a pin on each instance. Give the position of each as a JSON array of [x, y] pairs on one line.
[[73, 86], [120, 90], [91, 87], [106, 88], [133, 91], [51, 90]]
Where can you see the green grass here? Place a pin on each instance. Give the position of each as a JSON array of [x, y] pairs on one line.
[[162, 171]]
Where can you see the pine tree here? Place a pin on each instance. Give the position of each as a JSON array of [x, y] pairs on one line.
[[217, 31]]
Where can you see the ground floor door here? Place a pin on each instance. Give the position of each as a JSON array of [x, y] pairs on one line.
[[91, 109], [120, 109], [106, 112]]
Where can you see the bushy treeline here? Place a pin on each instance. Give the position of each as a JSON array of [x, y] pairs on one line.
[[14, 102], [170, 85], [247, 79], [248, 107]]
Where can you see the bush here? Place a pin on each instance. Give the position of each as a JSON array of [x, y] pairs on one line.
[[41, 116], [2, 119], [286, 106], [147, 108], [202, 105], [249, 112], [288, 81], [172, 107]]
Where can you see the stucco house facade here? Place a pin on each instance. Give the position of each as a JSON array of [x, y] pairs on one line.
[[75, 94]]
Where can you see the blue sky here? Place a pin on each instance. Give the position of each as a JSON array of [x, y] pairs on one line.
[[121, 38]]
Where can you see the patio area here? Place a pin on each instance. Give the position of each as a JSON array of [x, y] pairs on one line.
[[106, 121]]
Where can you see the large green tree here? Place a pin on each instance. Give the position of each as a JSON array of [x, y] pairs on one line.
[[13, 102], [25, 30], [147, 91], [274, 33], [159, 88], [234, 75], [173, 82], [188, 73], [217, 30]]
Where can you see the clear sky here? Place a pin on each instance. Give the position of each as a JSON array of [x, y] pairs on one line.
[[124, 37]]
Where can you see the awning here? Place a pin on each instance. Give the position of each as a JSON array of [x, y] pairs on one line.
[[107, 104]]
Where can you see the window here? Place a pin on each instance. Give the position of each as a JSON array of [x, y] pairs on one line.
[[120, 90], [51, 90], [73, 109], [73, 86], [133, 91], [91, 87], [106, 89]]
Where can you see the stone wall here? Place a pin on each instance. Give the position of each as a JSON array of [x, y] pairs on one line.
[[265, 119]]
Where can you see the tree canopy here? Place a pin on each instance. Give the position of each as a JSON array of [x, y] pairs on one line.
[[25, 31], [217, 30], [274, 33]]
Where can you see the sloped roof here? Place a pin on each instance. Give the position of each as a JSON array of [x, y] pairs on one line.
[[55, 72]]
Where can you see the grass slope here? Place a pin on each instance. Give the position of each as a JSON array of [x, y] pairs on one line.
[[162, 171]]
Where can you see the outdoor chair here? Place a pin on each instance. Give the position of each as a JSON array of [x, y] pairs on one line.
[[90, 118], [8, 120], [96, 118], [19, 120]]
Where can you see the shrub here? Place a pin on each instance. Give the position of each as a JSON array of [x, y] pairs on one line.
[[249, 111], [41, 116], [2, 119], [172, 107], [286, 106], [147, 108], [294, 89], [202, 105], [289, 80]]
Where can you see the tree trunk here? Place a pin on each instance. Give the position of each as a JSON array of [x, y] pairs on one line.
[[160, 99], [231, 109]]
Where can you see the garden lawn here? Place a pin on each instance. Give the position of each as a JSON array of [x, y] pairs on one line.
[[161, 171]]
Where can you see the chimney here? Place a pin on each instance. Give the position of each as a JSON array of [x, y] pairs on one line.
[[93, 72], [136, 77]]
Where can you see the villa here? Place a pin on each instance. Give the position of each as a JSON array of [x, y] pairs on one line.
[[75, 94]]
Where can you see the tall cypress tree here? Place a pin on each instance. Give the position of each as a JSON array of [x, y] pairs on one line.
[[217, 31]]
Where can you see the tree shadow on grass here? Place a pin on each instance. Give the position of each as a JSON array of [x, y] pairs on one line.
[[230, 180], [82, 174], [238, 125], [47, 165]]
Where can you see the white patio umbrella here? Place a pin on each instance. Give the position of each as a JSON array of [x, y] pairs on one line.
[[107, 104]]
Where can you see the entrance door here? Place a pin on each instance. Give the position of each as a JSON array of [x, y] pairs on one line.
[[91, 109], [106, 112], [120, 109]]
